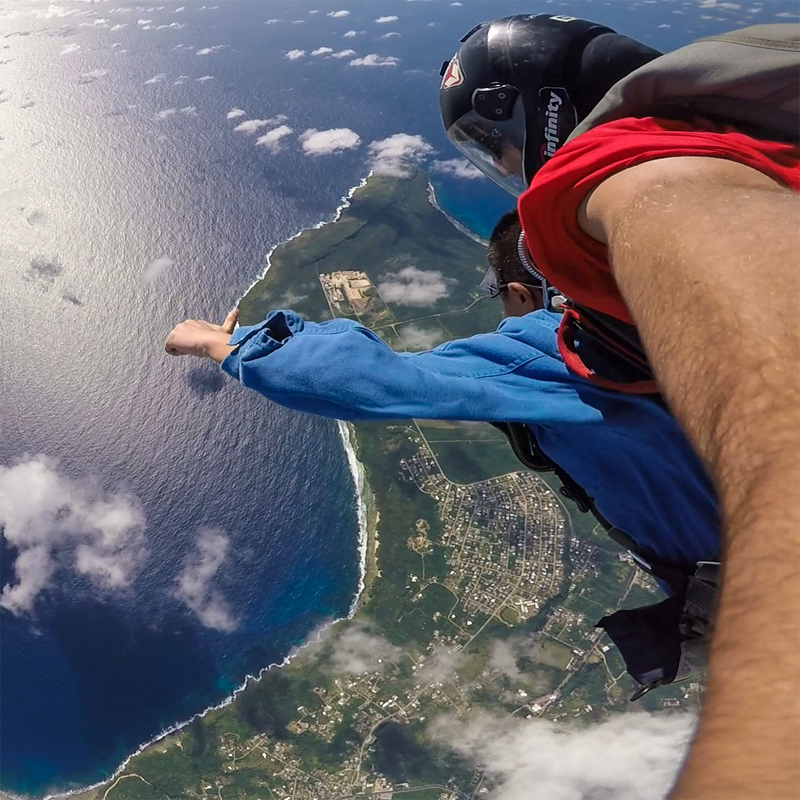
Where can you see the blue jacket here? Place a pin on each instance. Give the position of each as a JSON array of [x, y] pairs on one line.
[[626, 451]]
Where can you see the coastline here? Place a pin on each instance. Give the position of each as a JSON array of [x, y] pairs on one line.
[[368, 518], [452, 220], [368, 521], [344, 203]]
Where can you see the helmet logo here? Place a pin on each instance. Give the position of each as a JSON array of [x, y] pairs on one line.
[[551, 102], [562, 18], [454, 76]]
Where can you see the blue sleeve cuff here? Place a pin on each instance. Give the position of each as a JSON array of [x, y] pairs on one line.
[[256, 341]]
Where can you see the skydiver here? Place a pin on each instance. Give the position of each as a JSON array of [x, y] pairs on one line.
[[673, 200], [653, 492]]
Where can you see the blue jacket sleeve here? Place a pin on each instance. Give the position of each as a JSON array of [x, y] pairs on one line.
[[342, 370]]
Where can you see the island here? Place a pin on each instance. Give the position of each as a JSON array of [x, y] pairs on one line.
[[481, 583]]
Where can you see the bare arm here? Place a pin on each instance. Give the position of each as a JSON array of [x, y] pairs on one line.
[[706, 253]]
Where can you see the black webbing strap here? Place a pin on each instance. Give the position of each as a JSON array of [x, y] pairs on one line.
[[531, 455], [528, 452], [653, 640]]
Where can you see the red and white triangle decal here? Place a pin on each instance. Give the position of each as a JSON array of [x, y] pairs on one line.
[[453, 77]]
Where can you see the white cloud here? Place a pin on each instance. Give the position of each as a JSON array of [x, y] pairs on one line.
[[358, 651], [384, 20], [389, 35], [235, 112], [52, 11], [190, 111], [272, 21], [314, 11], [344, 54], [143, 22], [322, 51], [351, 34], [195, 587], [272, 139], [52, 521], [396, 154], [89, 77], [441, 666], [156, 268], [632, 756], [456, 3], [164, 113], [338, 14], [415, 337], [119, 26], [155, 79], [457, 168], [252, 125], [180, 80], [72, 47], [665, 25], [293, 55], [503, 658], [719, 4], [787, 14], [412, 286], [204, 51], [374, 60], [324, 143], [205, 78]]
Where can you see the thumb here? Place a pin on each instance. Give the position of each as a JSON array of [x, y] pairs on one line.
[[230, 321]]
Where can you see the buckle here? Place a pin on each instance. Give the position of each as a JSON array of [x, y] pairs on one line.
[[645, 688]]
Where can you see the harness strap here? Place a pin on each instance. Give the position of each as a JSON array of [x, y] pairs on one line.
[[531, 455], [657, 642]]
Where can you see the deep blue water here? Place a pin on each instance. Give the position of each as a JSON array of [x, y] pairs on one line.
[[93, 187]]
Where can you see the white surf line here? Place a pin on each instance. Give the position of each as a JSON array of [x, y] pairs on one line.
[[454, 222], [343, 204], [356, 470]]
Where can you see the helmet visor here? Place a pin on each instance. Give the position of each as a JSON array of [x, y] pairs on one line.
[[495, 147]]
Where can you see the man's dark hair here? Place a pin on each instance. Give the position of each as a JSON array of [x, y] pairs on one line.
[[502, 252]]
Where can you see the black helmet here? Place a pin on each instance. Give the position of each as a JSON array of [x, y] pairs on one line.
[[517, 87]]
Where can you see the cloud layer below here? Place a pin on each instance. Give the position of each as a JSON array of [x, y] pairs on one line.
[[397, 154], [324, 143], [411, 286], [632, 756], [195, 582], [57, 523]]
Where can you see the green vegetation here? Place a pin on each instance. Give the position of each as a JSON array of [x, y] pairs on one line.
[[469, 606]]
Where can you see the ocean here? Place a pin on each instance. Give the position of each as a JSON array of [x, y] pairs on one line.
[[167, 532]]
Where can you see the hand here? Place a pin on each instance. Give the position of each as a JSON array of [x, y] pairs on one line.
[[195, 337]]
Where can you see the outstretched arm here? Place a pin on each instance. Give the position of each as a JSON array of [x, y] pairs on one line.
[[706, 253], [342, 370]]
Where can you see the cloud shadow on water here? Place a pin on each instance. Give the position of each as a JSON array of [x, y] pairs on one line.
[[205, 379], [44, 269]]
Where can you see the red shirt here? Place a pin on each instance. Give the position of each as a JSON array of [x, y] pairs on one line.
[[572, 260]]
